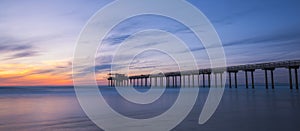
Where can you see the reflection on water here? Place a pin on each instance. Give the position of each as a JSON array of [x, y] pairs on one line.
[[47, 109], [56, 108]]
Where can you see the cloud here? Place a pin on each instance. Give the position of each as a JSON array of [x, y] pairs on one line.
[[272, 39], [11, 47], [22, 55], [44, 71], [116, 39], [279, 39], [67, 65], [103, 67]]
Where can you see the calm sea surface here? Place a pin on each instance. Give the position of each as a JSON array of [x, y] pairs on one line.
[[57, 108]]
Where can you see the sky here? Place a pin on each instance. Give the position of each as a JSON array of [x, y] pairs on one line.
[[38, 38]]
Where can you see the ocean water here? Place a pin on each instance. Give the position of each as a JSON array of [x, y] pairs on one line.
[[57, 108]]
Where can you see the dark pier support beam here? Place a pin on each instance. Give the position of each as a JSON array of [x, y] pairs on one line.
[[161, 81], [183, 80], [198, 78], [296, 78], [189, 80], [209, 79], [221, 76], [155, 81], [167, 81], [146, 81], [272, 78], [180, 81], [203, 81], [266, 79], [252, 78], [174, 83], [229, 75], [193, 80], [246, 77], [290, 78], [216, 82], [170, 81]]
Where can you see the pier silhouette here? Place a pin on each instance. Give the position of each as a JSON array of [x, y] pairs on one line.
[[178, 79]]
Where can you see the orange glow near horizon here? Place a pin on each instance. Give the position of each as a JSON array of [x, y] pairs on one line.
[[49, 73]]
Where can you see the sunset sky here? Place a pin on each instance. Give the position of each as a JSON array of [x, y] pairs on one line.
[[38, 37]]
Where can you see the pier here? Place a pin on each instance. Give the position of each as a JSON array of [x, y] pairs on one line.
[[187, 78]]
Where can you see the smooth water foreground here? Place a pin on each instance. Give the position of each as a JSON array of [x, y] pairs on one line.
[[57, 108]]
